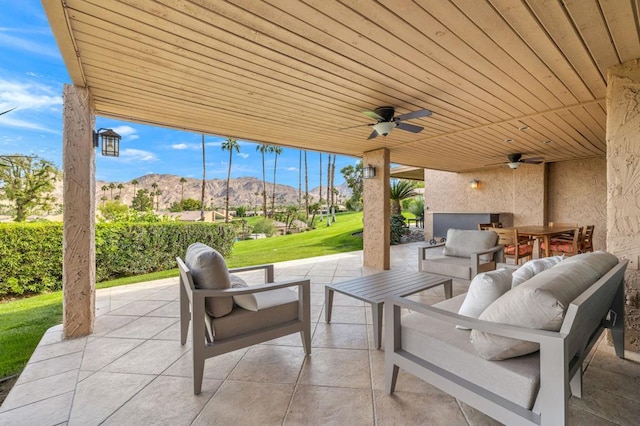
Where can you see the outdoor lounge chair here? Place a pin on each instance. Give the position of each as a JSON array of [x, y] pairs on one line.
[[226, 314]]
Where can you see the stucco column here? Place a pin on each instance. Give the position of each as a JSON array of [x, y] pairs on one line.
[[377, 210], [79, 260], [623, 182]]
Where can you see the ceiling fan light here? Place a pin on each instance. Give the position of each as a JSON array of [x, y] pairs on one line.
[[514, 164], [384, 127]]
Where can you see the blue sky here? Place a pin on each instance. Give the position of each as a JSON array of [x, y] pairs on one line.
[[32, 74]]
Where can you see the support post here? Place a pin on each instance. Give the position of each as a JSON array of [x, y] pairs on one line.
[[376, 204], [78, 163]]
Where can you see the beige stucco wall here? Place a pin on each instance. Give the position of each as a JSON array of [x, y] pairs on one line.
[[376, 215], [577, 192], [519, 192]]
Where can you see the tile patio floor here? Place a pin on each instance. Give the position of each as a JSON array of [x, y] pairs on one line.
[[133, 371]]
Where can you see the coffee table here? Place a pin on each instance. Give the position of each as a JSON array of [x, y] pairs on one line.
[[375, 288]]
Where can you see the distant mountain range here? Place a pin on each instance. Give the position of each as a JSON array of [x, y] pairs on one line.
[[244, 191]]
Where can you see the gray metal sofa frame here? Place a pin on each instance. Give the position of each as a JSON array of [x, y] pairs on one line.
[[192, 309], [561, 353]]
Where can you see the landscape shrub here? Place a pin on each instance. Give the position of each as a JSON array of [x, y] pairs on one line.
[[31, 260], [398, 228], [264, 226]]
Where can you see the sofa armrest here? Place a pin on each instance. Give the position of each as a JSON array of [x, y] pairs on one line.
[[477, 267], [304, 285], [268, 271]]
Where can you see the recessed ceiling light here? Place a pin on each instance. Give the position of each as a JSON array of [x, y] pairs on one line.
[[547, 142], [509, 140]]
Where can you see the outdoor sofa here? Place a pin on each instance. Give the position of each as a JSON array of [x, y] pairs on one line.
[[516, 353]]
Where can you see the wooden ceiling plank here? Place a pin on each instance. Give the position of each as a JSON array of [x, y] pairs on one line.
[[566, 134], [623, 26], [589, 20], [571, 118], [554, 18]]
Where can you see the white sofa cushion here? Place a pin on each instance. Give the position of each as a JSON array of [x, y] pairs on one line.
[[539, 303], [262, 300], [461, 243], [533, 267], [484, 289], [441, 344], [209, 271]]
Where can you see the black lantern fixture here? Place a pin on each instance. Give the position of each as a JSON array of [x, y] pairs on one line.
[[110, 142]]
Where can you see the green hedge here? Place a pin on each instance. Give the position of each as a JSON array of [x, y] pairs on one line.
[[31, 254]]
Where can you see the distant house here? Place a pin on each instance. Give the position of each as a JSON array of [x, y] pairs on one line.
[[194, 216]]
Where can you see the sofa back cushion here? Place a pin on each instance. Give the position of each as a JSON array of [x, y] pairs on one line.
[[539, 303], [485, 288], [534, 267], [461, 243], [209, 271]]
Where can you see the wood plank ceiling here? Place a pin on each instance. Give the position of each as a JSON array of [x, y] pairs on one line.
[[294, 73]]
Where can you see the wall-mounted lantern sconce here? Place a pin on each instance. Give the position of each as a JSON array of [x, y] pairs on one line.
[[474, 184], [369, 172], [110, 142]]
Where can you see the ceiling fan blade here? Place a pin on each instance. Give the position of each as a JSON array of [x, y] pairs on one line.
[[414, 114], [535, 160], [373, 114], [372, 135], [410, 127]]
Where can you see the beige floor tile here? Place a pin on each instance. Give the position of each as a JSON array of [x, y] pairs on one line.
[[584, 418], [217, 367], [138, 307], [347, 315], [606, 359], [347, 336], [320, 279], [404, 408], [246, 403], [406, 382], [50, 367], [604, 404], [171, 310], [164, 401], [143, 327], [337, 367], [168, 294], [340, 299], [51, 411], [624, 385], [172, 333], [104, 350], [318, 405], [269, 364], [38, 390], [99, 395], [475, 417], [51, 336], [151, 357], [107, 323], [53, 350]]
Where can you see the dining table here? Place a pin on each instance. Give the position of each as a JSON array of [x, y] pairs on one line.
[[544, 233]]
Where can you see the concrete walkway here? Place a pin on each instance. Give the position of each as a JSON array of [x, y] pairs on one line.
[[133, 371]]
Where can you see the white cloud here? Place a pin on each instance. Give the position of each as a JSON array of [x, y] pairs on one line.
[[22, 44], [27, 96], [6, 120], [291, 169], [243, 155], [134, 137], [179, 146], [126, 132], [131, 155]]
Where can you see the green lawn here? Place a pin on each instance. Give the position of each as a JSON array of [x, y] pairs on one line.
[[24, 321]]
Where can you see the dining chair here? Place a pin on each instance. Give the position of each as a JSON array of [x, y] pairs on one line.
[[515, 246], [587, 239], [485, 226], [567, 243]]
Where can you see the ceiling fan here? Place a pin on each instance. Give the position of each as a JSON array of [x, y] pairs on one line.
[[516, 159], [386, 122]]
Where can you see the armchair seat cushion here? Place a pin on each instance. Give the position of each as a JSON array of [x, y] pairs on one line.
[[209, 271], [262, 300], [457, 267], [516, 379], [242, 321]]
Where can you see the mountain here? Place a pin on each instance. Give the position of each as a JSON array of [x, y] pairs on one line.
[[244, 191]]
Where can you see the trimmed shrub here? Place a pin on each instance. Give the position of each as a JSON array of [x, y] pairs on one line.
[[31, 260], [398, 228]]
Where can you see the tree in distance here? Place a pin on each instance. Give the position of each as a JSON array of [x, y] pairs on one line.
[[27, 183], [142, 201], [186, 205]]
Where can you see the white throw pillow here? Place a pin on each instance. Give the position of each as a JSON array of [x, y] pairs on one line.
[[533, 267], [264, 299], [483, 291]]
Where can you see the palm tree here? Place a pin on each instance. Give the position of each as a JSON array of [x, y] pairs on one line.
[[277, 151], [263, 147], [158, 193], [154, 185], [104, 190], [120, 186], [182, 182], [204, 180], [135, 186], [400, 190], [229, 145], [112, 186]]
